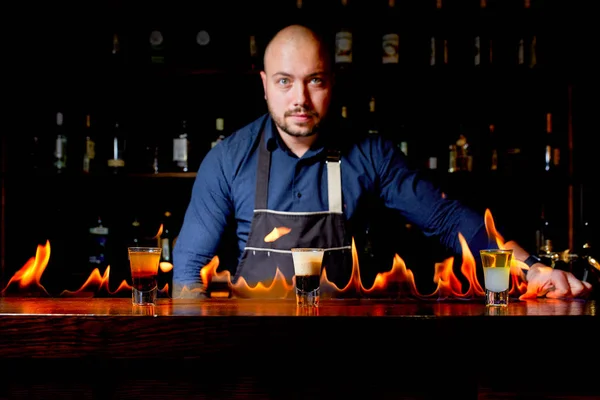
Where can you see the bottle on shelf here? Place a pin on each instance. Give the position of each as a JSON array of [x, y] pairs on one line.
[[344, 41], [247, 43], [152, 157], [98, 256], [345, 122], [552, 150], [166, 237], [208, 42], [402, 141], [452, 158], [60, 145], [220, 132], [483, 41], [117, 59], [464, 153], [432, 162], [439, 53], [527, 55], [493, 148], [157, 47], [203, 47], [255, 60], [460, 156], [372, 118], [390, 38], [181, 149], [89, 150], [116, 157]]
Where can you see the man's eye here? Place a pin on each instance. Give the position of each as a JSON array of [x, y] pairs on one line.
[[284, 81], [318, 81]]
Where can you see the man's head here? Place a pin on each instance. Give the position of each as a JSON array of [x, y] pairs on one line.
[[297, 80]]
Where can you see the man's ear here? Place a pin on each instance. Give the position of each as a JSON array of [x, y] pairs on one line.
[[263, 76]]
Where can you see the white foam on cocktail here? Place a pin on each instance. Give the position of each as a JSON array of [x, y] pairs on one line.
[[496, 279], [307, 262]]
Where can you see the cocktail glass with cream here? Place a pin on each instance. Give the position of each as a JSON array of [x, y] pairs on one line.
[[307, 270]]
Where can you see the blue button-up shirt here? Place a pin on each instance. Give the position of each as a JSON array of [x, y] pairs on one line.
[[223, 194]]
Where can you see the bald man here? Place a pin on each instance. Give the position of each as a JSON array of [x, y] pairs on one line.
[[289, 180], [297, 84]]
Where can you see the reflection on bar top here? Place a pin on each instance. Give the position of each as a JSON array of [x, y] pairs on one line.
[[110, 307]]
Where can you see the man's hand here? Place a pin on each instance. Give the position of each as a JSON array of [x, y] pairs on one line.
[[553, 283]]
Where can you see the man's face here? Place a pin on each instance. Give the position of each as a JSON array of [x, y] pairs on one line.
[[297, 87]]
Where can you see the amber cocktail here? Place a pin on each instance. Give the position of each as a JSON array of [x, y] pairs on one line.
[[144, 263]]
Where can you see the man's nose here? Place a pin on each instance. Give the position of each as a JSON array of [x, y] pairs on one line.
[[300, 95]]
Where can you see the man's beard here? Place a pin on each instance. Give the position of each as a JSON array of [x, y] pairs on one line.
[[281, 123]]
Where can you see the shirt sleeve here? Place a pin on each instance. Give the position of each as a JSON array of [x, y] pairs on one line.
[[204, 222], [405, 189]]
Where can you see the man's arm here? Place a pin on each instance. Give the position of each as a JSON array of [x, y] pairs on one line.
[[204, 222], [423, 204]]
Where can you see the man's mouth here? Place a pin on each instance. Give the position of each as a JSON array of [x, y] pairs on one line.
[[298, 113]]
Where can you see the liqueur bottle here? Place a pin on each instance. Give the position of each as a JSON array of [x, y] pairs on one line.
[[372, 119], [438, 40], [219, 132], [181, 148], [551, 149], [116, 157], [60, 145], [157, 47], [344, 43], [89, 150], [483, 41], [390, 38]]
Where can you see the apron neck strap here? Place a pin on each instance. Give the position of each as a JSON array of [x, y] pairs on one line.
[[334, 185]]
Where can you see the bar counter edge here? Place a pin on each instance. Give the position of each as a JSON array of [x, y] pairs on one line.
[[197, 348]]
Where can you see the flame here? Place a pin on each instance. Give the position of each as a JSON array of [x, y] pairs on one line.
[[165, 266], [158, 233], [101, 283], [276, 233], [277, 288], [30, 275], [28, 279], [490, 228], [449, 285], [398, 282]]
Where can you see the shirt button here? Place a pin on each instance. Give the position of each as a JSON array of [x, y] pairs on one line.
[[299, 195]]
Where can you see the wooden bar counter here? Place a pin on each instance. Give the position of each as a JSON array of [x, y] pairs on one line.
[[237, 348]]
